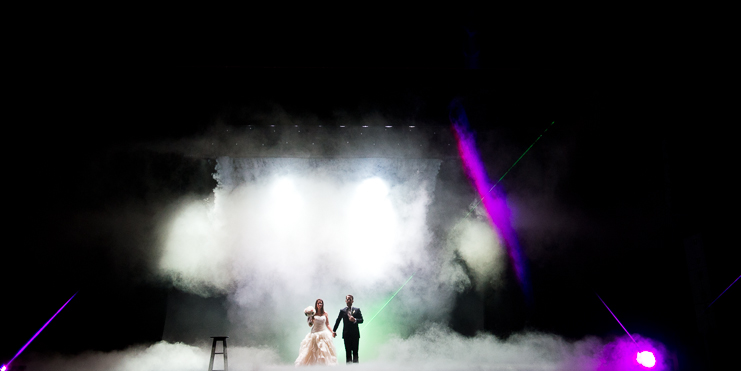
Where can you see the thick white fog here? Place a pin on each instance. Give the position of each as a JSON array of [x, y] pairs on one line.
[[435, 348], [162, 356], [280, 233]]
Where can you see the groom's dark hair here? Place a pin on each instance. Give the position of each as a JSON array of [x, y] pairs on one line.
[[351, 297]]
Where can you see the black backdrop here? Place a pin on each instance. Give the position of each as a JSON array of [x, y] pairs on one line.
[[651, 163]]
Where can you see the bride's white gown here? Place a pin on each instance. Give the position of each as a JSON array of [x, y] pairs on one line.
[[317, 347]]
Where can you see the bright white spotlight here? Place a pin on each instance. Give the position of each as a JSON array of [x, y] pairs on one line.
[[285, 191], [372, 227], [373, 188], [284, 187], [286, 200]]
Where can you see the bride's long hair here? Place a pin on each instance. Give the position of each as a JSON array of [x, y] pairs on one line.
[[316, 309]]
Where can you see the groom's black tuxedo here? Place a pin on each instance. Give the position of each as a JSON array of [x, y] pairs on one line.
[[350, 332]]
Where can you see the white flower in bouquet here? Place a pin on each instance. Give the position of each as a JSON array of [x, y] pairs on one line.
[[309, 311]]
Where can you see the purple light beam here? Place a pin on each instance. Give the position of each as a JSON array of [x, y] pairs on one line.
[[38, 332], [618, 321], [644, 358], [724, 291], [495, 202]]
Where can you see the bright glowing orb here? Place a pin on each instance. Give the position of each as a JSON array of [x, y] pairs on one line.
[[3, 368], [284, 186], [646, 359], [373, 188]]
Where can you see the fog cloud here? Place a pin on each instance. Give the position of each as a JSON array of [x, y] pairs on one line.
[[434, 348], [280, 233], [162, 356]]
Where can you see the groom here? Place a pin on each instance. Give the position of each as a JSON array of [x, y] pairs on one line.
[[350, 317]]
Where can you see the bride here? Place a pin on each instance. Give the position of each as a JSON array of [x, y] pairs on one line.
[[317, 348]]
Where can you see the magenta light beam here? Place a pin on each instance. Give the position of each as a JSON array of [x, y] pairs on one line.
[[618, 321], [495, 202], [724, 291], [508, 170], [38, 332], [644, 358]]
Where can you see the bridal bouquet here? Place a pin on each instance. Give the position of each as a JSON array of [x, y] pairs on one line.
[[309, 311]]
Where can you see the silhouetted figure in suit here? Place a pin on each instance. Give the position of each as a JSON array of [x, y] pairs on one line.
[[350, 317]]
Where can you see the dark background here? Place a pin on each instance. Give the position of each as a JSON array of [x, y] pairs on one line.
[[650, 163]]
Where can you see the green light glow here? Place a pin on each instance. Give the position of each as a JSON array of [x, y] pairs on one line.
[[387, 302], [389, 324]]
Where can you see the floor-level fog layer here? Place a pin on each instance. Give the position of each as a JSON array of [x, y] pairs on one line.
[[433, 349]]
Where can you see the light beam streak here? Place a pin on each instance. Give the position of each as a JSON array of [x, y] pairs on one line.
[[495, 204], [38, 332], [724, 291], [478, 201], [618, 321], [387, 302], [644, 358]]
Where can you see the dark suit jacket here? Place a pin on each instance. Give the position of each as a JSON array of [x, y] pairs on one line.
[[349, 330]]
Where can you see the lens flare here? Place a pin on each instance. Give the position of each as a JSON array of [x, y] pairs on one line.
[[646, 359]]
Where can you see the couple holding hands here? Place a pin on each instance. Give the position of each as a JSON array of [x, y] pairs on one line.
[[317, 347]]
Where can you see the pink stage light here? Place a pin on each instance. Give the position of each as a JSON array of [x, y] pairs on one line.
[[646, 359]]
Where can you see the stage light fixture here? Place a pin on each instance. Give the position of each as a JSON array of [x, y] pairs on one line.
[[646, 359]]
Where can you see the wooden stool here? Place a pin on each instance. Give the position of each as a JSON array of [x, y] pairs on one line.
[[214, 352]]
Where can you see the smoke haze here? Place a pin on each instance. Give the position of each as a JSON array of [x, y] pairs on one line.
[[288, 223], [435, 348], [280, 233]]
